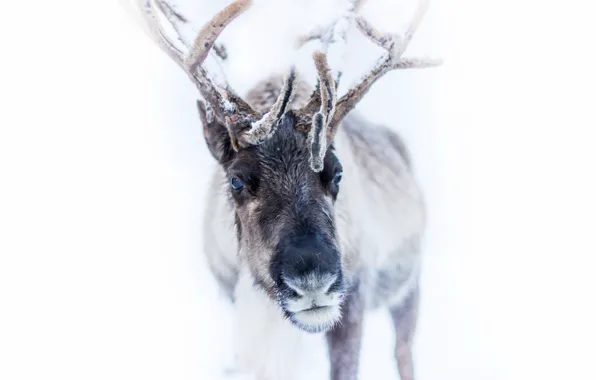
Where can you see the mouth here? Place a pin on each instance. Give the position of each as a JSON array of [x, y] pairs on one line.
[[314, 308], [316, 319]]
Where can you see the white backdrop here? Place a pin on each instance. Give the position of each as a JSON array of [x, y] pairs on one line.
[[103, 171]]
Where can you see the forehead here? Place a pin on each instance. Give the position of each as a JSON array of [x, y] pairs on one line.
[[285, 153]]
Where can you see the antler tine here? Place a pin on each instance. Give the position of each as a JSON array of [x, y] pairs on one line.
[[190, 58], [150, 10], [232, 108], [266, 127], [395, 47], [211, 30], [176, 19], [222, 102], [326, 84], [327, 98], [334, 41], [147, 20], [323, 100]]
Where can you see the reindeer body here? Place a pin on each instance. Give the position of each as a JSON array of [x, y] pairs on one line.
[[299, 257], [380, 216]]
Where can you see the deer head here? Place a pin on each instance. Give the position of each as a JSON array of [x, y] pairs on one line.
[[283, 176]]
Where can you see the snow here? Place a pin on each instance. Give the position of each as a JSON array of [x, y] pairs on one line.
[[104, 172]]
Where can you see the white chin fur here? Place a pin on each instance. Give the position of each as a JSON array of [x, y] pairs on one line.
[[268, 345], [317, 320]]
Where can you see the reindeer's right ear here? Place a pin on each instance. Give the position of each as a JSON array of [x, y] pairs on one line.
[[216, 135]]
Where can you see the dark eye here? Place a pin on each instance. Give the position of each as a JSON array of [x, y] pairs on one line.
[[337, 178], [236, 183]]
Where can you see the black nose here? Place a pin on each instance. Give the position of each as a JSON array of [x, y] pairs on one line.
[[307, 264]]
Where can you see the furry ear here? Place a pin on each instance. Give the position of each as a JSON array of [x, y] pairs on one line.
[[216, 135]]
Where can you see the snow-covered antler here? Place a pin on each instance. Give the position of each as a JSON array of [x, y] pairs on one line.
[[327, 97], [246, 126], [327, 119], [395, 46]]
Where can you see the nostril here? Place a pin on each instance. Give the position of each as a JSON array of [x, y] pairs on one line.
[[328, 283], [334, 286], [311, 284], [292, 288]]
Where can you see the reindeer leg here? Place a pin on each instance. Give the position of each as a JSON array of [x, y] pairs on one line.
[[344, 340], [404, 321]]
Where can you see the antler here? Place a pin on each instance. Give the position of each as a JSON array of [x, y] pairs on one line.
[[395, 47], [326, 121], [326, 97], [245, 125]]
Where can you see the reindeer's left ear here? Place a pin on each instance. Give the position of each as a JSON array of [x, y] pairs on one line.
[[216, 135]]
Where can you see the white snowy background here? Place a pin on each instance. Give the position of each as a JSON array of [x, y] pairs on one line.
[[103, 171]]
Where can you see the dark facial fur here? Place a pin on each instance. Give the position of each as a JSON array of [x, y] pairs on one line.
[[285, 223]]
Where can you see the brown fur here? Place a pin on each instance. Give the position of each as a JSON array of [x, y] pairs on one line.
[[265, 93], [312, 247], [380, 220]]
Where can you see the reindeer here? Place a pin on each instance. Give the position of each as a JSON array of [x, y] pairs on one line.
[[314, 214]]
